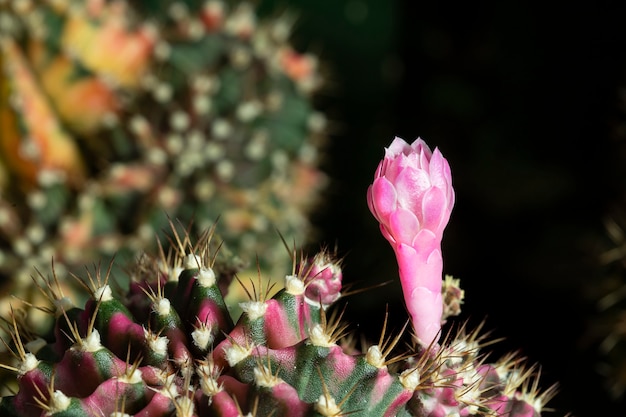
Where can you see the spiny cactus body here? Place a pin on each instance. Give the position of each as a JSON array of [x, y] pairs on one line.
[[167, 346], [117, 115]]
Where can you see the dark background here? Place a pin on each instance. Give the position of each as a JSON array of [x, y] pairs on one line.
[[523, 100]]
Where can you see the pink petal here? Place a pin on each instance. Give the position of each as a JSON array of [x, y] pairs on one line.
[[434, 209], [410, 186], [437, 170], [408, 264], [447, 172], [419, 268], [425, 241], [421, 147], [425, 307], [382, 199], [403, 225], [398, 146], [450, 198], [395, 167], [435, 264]]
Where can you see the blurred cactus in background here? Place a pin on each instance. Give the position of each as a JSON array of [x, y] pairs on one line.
[[606, 290], [117, 116], [609, 326]]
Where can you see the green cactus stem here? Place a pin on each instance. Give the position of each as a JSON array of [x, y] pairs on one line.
[[167, 346]]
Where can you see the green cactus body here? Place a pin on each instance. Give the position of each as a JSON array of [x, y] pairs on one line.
[[167, 347]]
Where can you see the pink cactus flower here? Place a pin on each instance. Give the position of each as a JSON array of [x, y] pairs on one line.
[[412, 198]]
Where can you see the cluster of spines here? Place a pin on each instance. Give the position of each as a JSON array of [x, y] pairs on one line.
[[169, 347]]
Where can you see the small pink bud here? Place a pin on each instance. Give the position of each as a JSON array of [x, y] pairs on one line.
[[322, 277], [412, 198]]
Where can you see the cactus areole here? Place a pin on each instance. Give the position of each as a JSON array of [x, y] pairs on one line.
[[167, 346]]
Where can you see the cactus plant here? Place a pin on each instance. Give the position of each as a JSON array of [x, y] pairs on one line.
[[118, 115], [167, 345]]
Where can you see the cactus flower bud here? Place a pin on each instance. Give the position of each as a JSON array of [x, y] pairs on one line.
[[322, 276], [412, 198]]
